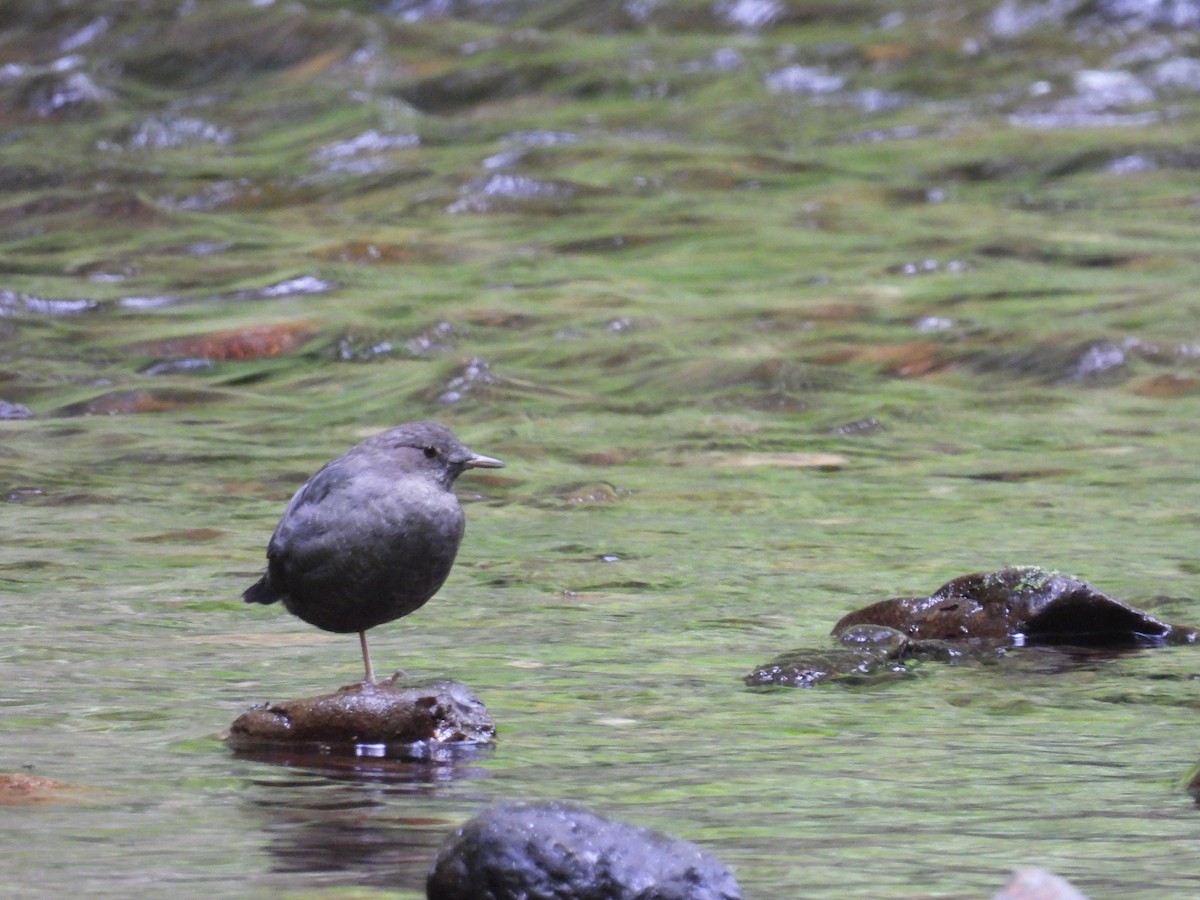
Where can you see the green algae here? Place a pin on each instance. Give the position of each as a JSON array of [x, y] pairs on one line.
[[721, 282]]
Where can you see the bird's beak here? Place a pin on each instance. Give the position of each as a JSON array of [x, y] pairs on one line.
[[475, 461]]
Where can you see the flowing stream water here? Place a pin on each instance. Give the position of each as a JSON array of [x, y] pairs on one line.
[[770, 315]]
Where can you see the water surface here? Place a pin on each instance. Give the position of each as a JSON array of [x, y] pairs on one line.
[[754, 357]]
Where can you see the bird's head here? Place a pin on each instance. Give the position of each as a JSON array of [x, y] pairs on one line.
[[433, 448]]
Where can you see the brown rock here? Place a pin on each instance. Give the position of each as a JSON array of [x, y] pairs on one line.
[[27, 790], [126, 402], [239, 343], [1023, 604], [389, 712]]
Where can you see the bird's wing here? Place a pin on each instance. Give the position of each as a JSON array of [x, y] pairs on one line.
[[302, 509]]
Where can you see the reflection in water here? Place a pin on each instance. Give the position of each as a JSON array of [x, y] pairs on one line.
[[348, 820]]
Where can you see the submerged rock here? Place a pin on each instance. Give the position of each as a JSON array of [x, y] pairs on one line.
[[866, 654], [137, 400], [29, 790], [1090, 362], [386, 713], [500, 193], [549, 851], [257, 342], [1020, 605], [970, 619], [60, 94]]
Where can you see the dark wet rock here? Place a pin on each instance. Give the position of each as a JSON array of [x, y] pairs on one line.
[[1096, 360], [14, 411], [865, 654], [974, 619], [1014, 476], [1022, 605], [1192, 785], [29, 177], [554, 850], [1091, 362], [100, 209], [394, 712], [462, 89], [209, 44], [1036, 252], [58, 94], [1037, 884], [606, 243], [853, 663]]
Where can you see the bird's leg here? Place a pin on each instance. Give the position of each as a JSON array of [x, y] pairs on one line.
[[362, 638]]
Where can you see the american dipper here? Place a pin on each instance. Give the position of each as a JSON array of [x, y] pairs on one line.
[[373, 534]]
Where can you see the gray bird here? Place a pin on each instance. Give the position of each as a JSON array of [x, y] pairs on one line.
[[372, 536]]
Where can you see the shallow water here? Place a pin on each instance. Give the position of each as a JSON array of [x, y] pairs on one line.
[[753, 360]]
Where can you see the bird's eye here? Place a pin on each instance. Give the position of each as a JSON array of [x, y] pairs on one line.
[[430, 452]]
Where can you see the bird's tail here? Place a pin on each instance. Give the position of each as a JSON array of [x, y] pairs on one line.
[[260, 592]]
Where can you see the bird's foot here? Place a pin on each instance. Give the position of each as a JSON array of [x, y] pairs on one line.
[[398, 675]]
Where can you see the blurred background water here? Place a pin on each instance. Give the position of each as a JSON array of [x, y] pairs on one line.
[[773, 309]]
